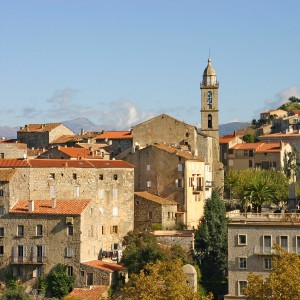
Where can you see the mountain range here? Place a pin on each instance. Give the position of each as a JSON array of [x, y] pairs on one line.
[[76, 125]]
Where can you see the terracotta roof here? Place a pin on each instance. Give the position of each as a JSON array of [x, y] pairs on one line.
[[226, 140], [115, 135], [63, 163], [44, 207], [39, 127], [294, 134], [14, 143], [258, 147], [63, 139], [155, 198], [179, 152], [77, 152], [76, 138], [296, 111], [104, 265], [93, 293], [92, 146], [6, 175]]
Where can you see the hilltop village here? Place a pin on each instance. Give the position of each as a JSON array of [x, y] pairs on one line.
[[70, 199]]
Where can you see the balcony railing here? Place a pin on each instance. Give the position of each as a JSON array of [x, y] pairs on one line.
[[258, 250], [236, 215], [28, 260]]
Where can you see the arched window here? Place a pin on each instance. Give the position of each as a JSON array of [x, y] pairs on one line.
[[209, 121], [209, 97]]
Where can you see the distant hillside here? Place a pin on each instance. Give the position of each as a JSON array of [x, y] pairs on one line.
[[230, 127], [83, 123]]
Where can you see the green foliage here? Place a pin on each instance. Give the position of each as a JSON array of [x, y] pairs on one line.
[[257, 186], [290, 106], [14, 291], [156, 226], [160, 281], [291, 162], [11, 282], [42, 285], [211, 244], [294, 99], [141, 248], [250, 138], [59, 283]]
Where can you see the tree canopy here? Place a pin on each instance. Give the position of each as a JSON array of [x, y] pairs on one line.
[[211, 244], [160, 281], [283, 281]]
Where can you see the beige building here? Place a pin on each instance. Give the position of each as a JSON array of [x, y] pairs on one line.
[[257, 155], [276, 113], [104, 189], [41, 135], [174, 174], [250, 242], [12, 150]]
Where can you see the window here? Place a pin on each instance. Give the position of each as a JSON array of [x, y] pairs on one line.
[[267, 243], [242, 239], [81, 273], [1, 193], [20, 231], [148, 183], [1, 155], [70, 270], [69, 252], [102, 230], [169, 215], [242, 262], [115, 193], [245, 152], [180, 168], [230, 151], [75, 176], [40, 271], [1, 250], [40, 253], [209, 121], [1, 210], [283, 240], [250, 163], [52, 175], [242, 286], [101, 176], [1, 231], [251, 153], [76, 191], [70, 230], [150, 215], [21, 251], [267, 263], [52, 191], [115, 177], [39, 230], [180, 183], [274, 165], [115, 229], [148, 167], [298, 244]]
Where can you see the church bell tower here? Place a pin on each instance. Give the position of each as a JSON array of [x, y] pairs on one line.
[[209, 102]]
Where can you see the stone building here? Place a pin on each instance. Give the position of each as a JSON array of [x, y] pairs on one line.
[[174, 174], [12, 150], [257, 155], [150, 209], [41, 135], [118, 141], [250, 242], [105, 186]]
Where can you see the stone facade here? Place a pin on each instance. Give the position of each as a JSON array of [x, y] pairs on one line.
[[41, 135], [107, 184], [13, 150], [250, 242], [176, 175], [151, 209]]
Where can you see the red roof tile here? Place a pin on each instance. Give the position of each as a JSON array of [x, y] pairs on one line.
[[226, 140], [104, 265], [44, 207], [155, 198], [115, 135], [77, 152], [258, 147], [63, 163], [94, 293]]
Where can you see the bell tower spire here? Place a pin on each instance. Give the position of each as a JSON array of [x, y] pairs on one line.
[[209, 102]]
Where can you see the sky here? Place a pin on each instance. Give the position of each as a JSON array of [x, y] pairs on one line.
[[121, 62]]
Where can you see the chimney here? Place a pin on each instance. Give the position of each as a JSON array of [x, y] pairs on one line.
[[53, 202], [31, 206], [82, 131]]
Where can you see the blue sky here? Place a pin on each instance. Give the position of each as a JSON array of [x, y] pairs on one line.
[[121, 62]]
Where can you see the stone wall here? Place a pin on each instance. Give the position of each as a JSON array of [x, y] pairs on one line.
[[13, 150]]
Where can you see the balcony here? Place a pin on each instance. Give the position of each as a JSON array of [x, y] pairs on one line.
[[258, 250], [24, 260]]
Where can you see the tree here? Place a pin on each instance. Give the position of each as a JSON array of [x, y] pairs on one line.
[[59, 283], [283, 281], [294, 99], [160, 281], [211, 244], [141, 248], [290, 163]]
